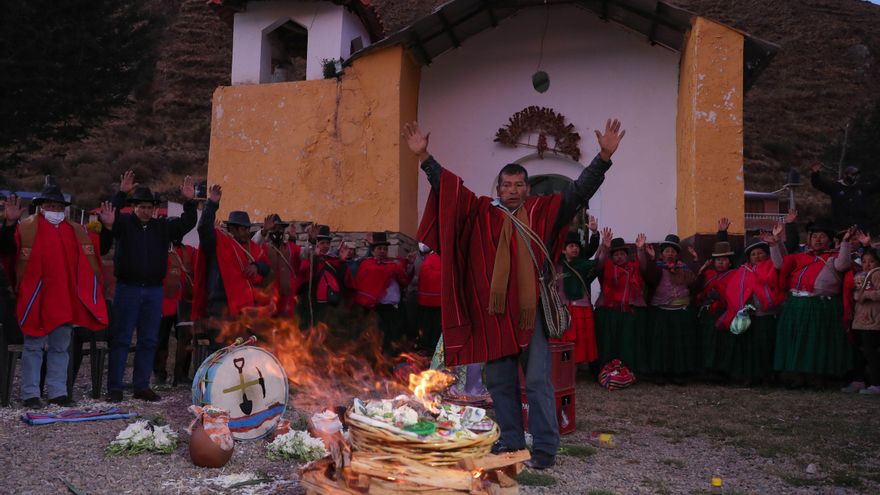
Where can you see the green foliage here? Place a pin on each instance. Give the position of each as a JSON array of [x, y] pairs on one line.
[[531, 478], [328, 66], [66, 64]]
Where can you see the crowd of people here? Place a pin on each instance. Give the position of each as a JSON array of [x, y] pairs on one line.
[[515, 278]]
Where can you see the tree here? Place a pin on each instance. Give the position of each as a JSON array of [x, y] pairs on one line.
[[64, 65], [862, 145]]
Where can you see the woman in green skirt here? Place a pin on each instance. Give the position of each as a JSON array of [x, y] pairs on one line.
[[752, 299], [621, 318], [714, 276], [810, 336], [673, 335]]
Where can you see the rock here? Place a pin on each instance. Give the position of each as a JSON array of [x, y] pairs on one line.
[[812, 469]]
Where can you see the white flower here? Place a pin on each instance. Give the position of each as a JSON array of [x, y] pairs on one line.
[[406, 415], [143, 436], [297, 444]]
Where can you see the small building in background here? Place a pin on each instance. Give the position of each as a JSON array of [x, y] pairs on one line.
[[329, 149]]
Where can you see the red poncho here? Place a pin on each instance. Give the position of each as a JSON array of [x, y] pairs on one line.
[[373, 278], [464, 230], [241, 290], [621, 285], [760, 281], [714, 287], [60, 278]]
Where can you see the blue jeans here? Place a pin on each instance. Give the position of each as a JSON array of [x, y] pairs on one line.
[[139, 307], [56, 363], [502, 380]]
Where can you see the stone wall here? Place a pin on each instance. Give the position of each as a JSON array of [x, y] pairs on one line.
[[400, 244]]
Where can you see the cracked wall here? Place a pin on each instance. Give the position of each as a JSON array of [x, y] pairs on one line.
[[325, 150]]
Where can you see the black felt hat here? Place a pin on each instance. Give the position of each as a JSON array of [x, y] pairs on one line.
[[757, 243], [672, 241], [821, 226], [618, 244], [142, 194], [239, 218], [323, 233], [572, 238], [379, 239], [50, 192]]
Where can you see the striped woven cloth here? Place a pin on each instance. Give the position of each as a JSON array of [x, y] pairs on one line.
[[75, 415]]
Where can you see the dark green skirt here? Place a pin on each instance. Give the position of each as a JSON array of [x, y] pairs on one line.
[[810, 337], [622, 335], [674, 341], [749, 355], [713, 340]]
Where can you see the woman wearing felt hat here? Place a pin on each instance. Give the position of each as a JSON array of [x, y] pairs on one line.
[[714, 277], [672, 328], [621, 314], [810, 335], [574, 288], [752, 298]]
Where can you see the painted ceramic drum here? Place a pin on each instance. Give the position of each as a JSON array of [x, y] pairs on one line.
[[247, 381]]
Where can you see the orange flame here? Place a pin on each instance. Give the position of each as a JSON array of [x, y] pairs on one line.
[[326, 366], [425, 385]]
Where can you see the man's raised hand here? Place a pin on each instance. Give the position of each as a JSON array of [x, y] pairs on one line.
[[777, 231], [416, 140], [268, 223], [126, 181], [188, 190], [610, 140], [14, 209], [344, 251], [593, 224], [641, 240], [108, 214], [607, 235], [723, 224], [791, 216], [215, 193]]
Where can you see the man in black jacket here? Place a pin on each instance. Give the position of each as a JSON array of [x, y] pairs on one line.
[[850, 197], [140, 260]]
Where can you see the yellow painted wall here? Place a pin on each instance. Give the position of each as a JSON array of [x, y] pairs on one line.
[[709, 130], [324, 150]]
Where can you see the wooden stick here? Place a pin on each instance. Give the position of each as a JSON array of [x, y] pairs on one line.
[[412, 471], [495, 461]]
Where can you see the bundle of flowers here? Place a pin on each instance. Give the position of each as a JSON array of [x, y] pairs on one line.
[[404, 416], [143, 436], [298, 445]]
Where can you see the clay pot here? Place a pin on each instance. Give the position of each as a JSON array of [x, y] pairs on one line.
[[204, 452]]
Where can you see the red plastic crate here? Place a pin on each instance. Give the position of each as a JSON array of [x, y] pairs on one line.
[[563, 367], [565, 411]]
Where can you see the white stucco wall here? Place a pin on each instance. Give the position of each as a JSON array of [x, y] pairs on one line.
[[597, 70], [330, 28]]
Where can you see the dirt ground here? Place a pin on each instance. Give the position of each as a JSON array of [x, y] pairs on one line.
[[667, 440]]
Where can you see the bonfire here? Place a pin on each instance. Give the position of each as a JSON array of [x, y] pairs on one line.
[[395, 435]]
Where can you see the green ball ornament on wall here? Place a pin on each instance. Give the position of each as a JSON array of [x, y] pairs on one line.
[[541, 81]]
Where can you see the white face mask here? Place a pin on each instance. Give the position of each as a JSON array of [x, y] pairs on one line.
[[53, 217]]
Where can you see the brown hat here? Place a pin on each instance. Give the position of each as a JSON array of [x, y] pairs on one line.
[[722, 250]]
